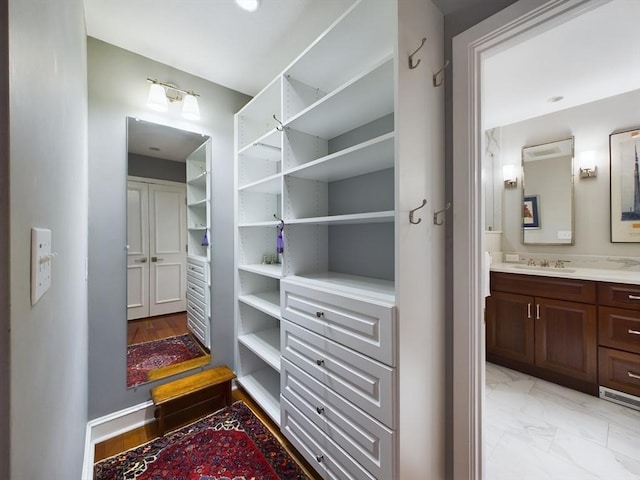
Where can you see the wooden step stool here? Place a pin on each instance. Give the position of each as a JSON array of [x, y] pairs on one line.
[[187, 395]]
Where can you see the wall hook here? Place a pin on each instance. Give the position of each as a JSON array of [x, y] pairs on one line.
[[279, 127], [436, 215], [411, 212], [437, 82], [414, 65]]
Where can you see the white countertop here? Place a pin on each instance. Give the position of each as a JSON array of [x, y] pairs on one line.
[[596, 274]]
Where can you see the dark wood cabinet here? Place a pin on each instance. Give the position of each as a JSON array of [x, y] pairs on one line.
[[532, 327]]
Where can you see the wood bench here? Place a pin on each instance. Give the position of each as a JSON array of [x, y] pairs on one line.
[[186, 395]]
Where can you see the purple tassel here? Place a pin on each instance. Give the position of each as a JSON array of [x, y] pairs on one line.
[[280, 241], [205, 239]]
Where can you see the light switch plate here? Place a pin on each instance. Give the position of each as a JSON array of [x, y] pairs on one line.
[[512, 257], [41, 259], [564, 235]]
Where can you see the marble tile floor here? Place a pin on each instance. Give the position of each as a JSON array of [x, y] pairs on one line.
[[537, 430]]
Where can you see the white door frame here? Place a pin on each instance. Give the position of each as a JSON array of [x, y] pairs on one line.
[[522, 20]]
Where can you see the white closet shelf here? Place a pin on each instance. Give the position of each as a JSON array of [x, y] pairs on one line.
[[199, 180], [267, 302], [264, 386], [198, 203], [368, 157], [374, 289], [262, 151], [359, 101], [352, 219], [265, 344], [272, 185], [269, 223], [197, 228], [272, 138], [273, 271]]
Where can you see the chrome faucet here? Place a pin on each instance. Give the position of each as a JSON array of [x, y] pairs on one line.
[[544, 263], [560, 263], [531, 262]]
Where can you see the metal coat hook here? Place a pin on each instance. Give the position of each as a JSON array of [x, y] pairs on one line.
[[280, 127], [414, 65], [411, 212], [436, 82], [436, 219], [279, 219]]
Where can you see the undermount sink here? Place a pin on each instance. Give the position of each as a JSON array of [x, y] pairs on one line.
[[545, 269]]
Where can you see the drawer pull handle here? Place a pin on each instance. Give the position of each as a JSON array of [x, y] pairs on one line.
[[537, 311], [320, 362], [319, 458], [633, 375], [634, 297], [320, 409], [319, 314], [633, 332], [528, 310]]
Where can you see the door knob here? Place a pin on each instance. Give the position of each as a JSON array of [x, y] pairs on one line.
[[156, 259], [141, 260]]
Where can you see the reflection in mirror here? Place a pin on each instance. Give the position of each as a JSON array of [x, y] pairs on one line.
[[160, 342], [547, 186]]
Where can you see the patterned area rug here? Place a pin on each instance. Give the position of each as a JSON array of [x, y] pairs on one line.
[[144, 357], [231, 444]]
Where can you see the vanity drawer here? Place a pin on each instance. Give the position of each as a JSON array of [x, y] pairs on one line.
[[369, 442], [331, 461], [619, 295], [570, 289], [363, 381], [196, 268], [197, 290], [365, 326], [619, 328], [619, 370], [195, 307]]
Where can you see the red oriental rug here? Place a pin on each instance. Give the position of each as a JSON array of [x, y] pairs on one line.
[[147, 356], [231, 444]]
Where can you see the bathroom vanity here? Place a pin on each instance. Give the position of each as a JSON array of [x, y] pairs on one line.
[[576, 327]]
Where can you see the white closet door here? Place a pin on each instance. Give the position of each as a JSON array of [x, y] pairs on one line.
[[138, 250], [168, 252]]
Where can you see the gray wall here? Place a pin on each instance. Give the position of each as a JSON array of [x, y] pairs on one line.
[[118, 89], [158, 168], [4, 239], [48, 154], [454, 24]]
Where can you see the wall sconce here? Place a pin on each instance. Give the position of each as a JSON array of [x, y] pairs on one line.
[[248, 5], [587, 163], [509, 176], [160, 94]]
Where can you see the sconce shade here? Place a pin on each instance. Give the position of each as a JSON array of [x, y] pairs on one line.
[[588, 167], [190, 108], [509, 176], [248, 5], [157, 98]]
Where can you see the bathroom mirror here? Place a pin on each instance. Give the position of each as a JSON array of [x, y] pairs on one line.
[[547, 188], [167, 192]]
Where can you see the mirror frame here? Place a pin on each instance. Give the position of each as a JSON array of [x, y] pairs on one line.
[[572, 193]]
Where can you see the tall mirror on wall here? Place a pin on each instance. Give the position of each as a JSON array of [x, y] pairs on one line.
[[168, 212], [547, 200]]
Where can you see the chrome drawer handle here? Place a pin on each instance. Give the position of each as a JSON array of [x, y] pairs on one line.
[[319, 314], [320, 409], [319, 458], [528, 310], [537, 311], [634, 297], [633, 332], [320, 362], [633, 375]]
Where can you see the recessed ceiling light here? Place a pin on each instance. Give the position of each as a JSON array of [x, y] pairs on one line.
[[248, 5], [555, 99]]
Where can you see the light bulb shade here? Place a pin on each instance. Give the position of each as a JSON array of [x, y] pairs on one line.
[[510, 176], [190, 108], [157, 98], [248, 5], [588, 160]]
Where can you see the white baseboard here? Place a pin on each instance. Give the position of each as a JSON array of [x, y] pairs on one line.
[[112, 425]]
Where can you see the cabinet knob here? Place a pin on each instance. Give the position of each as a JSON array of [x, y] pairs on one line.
[[319, 458], [320, 362], [320, 409], [319, 314]]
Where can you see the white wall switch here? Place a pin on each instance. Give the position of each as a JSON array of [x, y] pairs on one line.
[[512, 257], [564, 234], [41, 258]]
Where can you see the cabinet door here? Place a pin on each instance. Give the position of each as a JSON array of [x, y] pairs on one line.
[[566, 338], [510, 327]]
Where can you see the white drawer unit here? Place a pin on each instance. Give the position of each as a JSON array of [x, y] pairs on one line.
[[361, 380], [366, 440], [198, 300], [196, 268], [365, 325], [331, 461]]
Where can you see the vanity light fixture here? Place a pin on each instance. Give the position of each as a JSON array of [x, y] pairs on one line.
[[509, 176], [587, 162], [248, 5], [161, 94]]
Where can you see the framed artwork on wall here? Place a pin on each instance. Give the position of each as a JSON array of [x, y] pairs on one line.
[[530, 212], [624, 150]]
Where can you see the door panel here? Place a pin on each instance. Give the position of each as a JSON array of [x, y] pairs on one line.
[[168, 239], [137, 250], [510, 327]]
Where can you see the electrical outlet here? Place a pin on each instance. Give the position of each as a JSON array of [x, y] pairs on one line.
[[512, 257], [564, 235]]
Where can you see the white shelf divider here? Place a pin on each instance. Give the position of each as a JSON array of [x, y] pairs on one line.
[[352, 219], [264, 387], [265, 344], [267, 302], [273, 270]]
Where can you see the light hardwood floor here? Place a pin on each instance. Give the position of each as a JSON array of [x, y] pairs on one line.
[[147, 433], [156, 328]]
